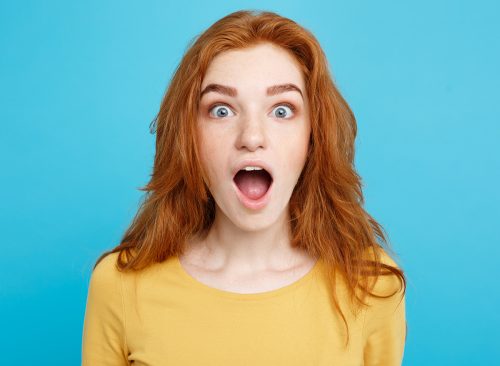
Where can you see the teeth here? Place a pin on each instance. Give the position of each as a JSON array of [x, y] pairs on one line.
[[249, 168]]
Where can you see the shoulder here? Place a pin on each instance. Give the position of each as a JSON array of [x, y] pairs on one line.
[[388, 282], [384, 326], [384, 255], [105, 277], [107, 265], [388, 291], [103, 339]]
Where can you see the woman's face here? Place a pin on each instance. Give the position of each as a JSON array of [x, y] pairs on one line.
[[253, 111]]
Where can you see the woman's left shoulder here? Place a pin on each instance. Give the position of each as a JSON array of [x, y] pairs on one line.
[[390, 285]]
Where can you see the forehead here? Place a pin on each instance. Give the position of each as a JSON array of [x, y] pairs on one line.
[[258, 66]]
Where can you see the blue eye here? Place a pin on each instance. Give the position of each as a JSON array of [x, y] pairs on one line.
[[281, 111], [223, 111]]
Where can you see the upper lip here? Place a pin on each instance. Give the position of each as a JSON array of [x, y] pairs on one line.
[[252, 162]]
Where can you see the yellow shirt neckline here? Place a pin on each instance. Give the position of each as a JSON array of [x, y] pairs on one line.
[[246, 296]]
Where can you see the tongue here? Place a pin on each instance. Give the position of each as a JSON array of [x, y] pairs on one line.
[[252, 184]]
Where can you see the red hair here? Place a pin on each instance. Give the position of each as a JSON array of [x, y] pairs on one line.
[[326, 207]]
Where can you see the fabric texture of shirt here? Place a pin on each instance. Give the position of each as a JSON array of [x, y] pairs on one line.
[[164, 316]]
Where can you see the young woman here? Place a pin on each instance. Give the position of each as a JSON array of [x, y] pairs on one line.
[[252, 246]]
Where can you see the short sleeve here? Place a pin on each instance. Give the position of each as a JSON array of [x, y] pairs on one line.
[[103, 338], [384, 328]]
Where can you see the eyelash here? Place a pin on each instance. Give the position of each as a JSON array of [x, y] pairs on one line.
[[291, 106]]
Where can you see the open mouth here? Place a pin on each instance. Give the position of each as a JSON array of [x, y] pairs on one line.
[[254, 184]]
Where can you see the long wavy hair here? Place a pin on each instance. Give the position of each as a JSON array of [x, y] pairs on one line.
[[326, 207]]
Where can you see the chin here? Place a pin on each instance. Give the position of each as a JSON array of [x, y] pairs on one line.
[[248, 220]]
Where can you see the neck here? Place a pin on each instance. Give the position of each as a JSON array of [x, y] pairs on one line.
[[232, 249]]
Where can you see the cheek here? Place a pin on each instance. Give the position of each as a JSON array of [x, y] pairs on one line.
[[294, 150], [300, 157], [211, 155]]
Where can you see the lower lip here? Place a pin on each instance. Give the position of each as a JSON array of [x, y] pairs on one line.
[[254, 204]]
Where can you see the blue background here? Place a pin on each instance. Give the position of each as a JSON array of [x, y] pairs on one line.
[[81, 81]]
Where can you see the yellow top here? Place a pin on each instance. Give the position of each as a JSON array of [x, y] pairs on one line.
[[164, 316]]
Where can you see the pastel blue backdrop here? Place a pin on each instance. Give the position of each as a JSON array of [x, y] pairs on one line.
[[81, 81]]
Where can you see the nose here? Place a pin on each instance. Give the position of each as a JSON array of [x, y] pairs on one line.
[[251, 134]]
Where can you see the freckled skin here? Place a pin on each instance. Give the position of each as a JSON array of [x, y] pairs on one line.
[[253, 128], [251, 125]]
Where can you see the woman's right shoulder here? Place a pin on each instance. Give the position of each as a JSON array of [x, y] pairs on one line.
[[106, 274], [107, 262]]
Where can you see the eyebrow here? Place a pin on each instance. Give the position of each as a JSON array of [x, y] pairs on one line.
[[232, 92]]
